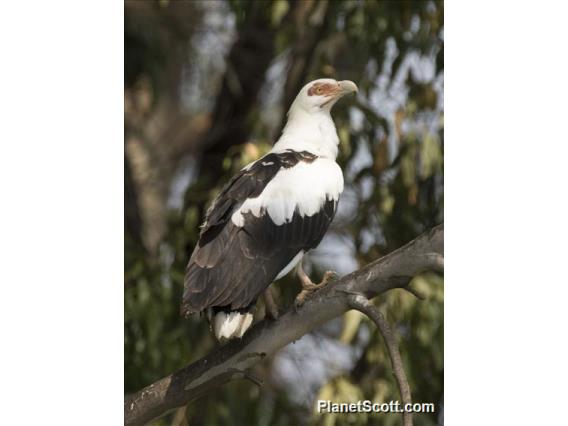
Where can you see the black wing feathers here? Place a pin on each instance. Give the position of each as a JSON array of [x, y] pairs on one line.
[[230, 265]]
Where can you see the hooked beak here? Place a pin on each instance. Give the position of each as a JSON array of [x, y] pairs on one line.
[[347, 87], [344, 87]]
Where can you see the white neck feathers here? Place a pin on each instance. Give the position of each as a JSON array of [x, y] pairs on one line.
[[314, 132]]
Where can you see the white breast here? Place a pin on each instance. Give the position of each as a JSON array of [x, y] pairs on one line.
[[304, 187]]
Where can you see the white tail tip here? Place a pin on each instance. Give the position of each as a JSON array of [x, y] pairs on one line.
[[231, 325]]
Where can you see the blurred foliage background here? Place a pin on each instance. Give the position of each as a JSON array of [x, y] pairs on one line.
[[207, 85]]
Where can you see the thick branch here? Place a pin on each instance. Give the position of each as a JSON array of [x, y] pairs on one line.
[[365, 306], [232, 360]]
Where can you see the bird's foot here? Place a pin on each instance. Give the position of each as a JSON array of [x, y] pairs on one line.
[[270, 306], [308, 287]]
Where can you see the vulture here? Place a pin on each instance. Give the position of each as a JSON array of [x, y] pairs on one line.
[[268, 216]]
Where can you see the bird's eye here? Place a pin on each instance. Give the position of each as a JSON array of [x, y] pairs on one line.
[[319, 90]]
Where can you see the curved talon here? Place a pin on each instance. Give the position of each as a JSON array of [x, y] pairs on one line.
[[299, 300]]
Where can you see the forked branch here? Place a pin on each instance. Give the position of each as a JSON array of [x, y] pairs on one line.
[[232, 360]]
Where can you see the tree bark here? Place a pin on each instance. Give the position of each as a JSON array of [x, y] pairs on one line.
[[232, 360]]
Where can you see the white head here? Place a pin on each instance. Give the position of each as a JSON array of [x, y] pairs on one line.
[[321, 95], [309, 126]]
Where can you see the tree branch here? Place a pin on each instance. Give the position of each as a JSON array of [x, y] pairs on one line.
[[230, 361], [364, 305]]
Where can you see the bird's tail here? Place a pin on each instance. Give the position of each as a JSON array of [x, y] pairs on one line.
[[227, 324]]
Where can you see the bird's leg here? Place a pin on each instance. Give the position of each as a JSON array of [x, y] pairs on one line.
[[270, 305], [308, 287]]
